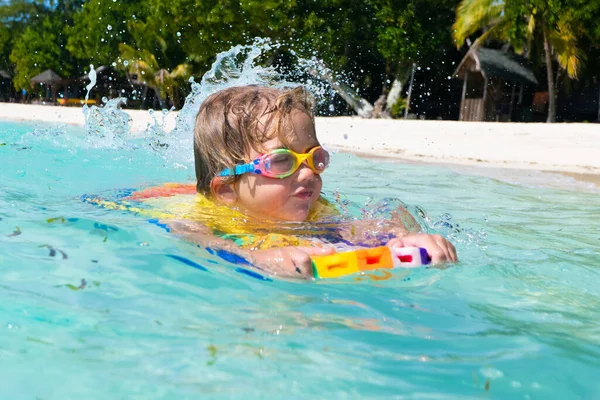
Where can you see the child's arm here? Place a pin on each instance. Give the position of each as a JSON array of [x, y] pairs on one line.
[[401, 230], [292, 262]]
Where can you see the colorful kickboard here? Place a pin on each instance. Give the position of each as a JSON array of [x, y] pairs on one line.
[[351, 262]]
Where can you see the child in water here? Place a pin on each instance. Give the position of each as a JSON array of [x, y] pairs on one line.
[[256, 151]]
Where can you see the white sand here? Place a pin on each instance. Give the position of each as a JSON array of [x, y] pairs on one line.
[[549, 147], [568, 148], [71, 115]]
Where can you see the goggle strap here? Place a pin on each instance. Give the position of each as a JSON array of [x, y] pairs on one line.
[[238, 170]]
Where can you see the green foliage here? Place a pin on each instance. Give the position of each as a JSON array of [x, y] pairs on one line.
[[473, 15], [5, 47], [413, 31], [399, 107], [40, 47], [343, 34], [98, 28], [368, 42], [556, 26], [19, 12], [523, 22], [145, 66]]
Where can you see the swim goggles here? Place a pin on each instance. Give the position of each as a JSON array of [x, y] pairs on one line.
[[281, 163]]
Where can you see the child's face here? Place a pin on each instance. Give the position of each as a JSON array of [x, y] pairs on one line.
[[290, 198]]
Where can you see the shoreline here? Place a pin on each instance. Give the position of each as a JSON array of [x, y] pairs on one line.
[[580, 182], [481, 148]]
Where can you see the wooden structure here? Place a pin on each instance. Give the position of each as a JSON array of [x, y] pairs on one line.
[[493, 84], [107, 84], [7, 92], [50, 81]]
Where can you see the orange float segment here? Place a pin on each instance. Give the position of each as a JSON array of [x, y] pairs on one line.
[[165, 190], [351, 262], [374, 258]]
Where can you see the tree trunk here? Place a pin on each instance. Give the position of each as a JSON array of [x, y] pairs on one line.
[[598, 102], [410, 88], [551, 87], [360, 105], [397, 87]]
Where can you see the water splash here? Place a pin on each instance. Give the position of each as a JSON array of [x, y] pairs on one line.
[[92, 75], [239, 66], [108, 126], [453, 231], [318, 69]]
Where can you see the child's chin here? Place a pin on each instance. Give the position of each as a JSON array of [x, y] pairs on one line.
[[295, 216]]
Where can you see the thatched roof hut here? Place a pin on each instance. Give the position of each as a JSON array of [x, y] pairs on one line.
[[46, 77], [490, 80]]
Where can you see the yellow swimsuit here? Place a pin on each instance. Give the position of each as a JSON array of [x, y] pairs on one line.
[[180, 202]]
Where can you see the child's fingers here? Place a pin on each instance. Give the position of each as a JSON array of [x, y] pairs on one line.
[[441, 249], [446, 248], [395, 242], [452, 250]]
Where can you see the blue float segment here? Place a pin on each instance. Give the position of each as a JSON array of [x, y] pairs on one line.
[[187, 261], [253, 274], [425, 259], [232, 257], [156, 221], [125, 192]]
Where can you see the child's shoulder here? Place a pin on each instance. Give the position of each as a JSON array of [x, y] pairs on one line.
[[181, 202], [322, 209]]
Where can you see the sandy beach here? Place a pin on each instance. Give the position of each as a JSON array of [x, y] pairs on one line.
[[481, 148]]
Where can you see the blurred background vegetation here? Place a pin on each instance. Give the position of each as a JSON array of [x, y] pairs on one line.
[[372, 44]]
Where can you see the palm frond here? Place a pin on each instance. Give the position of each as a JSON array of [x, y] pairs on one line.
[[564, 41], [473, 15], [182, 71], [531, 27], [494, 32]]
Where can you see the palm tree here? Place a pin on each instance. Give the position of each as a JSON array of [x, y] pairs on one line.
[[555, 29], [144, 64]]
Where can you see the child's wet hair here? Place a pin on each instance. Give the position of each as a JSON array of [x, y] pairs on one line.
[[234, 120]]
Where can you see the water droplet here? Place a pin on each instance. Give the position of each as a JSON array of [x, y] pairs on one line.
[[491, 373]]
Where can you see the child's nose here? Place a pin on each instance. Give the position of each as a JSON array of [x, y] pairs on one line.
[[305, 172]]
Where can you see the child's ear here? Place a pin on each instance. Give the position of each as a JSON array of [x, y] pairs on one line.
[[223, 192]]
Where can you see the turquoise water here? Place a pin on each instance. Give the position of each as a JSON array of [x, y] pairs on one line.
[[516, 318]]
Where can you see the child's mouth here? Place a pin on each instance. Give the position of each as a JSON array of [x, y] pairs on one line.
[[304, 194]]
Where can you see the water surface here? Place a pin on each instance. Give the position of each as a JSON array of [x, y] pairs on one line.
[[92, 306]]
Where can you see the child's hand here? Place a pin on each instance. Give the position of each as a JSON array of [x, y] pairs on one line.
[[293, 262], [438, 247]]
